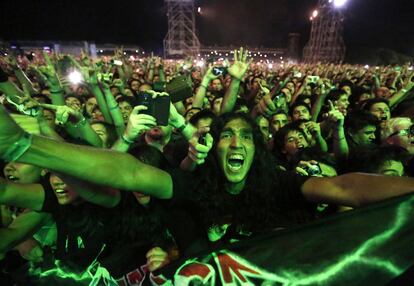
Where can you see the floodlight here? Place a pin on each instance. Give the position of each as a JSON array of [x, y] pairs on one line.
[[339, 3], [315, 13], [75, 77]]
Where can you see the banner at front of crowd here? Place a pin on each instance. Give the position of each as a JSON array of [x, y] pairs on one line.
[[369, 246]]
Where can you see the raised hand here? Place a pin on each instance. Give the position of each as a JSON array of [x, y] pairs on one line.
[[266, 107], [138, 123], [314, 128], [64, 113], [199, 145], [50, 72], [156, 258], [240, 65], [334, 115]]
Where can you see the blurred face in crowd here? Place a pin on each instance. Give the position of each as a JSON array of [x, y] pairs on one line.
[[158, 136], [294, 141], [203, 123], [97, 114], [21, 173], [102, 132], [364, 136], [381, 111], [73, 103], [300, 112], [144, 87], [81, 91], [49, 116], [90, 104], [342, 104], [382, 92], [263, 124], [128, 92], [216, 84], [291, 87], [347, 89], [235, 151], [307, 90], [126, 109], [255, 83], [391, 168], [114, 90], [135, 85], [278, 121], [403, 136], [64, 194], [365, 96], [287, 93], [190, 113]]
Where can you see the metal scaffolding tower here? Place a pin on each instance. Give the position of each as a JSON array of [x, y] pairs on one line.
[[326, 43], [181, 39]]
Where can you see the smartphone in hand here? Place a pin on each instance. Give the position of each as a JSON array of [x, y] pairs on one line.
[[158, 107]]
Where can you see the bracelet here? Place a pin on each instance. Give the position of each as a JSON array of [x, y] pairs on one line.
[[404, 90], [203, 86], [127, 141], [181, 128], [56, 91], [80, 123], [18, 148]]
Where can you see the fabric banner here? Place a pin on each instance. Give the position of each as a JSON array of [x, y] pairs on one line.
[[369, 246]]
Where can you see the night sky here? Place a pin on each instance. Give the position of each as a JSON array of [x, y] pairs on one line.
[[368, 24]]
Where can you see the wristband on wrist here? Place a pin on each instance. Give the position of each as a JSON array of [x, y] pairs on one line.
[[127, 141], [80, 123], [56, 90], [182, 127], [203, 86], [18, 148], [404, 90]]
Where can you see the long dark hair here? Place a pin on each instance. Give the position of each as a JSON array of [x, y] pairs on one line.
[[248, 206]]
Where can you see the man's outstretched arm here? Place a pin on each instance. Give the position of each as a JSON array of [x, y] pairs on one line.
[[110, 168], [356, 189]]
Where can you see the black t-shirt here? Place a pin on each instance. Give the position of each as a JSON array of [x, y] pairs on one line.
[[117, 237], [280, 205], [83, 230]]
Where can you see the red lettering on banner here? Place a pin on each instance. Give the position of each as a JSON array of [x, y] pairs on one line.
[[230, 267], [194, 271], [158, 280], [135, 277]]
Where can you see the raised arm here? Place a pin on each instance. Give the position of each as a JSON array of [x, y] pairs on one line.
[[237, 72], [117, 170], [356, 189], [21, 229]]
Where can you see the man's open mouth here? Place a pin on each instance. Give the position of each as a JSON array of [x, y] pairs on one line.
[[235, 162], [60, 192], [12, 178]]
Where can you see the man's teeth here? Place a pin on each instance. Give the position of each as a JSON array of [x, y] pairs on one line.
[[60, 191], [12, 178], [235, 162]]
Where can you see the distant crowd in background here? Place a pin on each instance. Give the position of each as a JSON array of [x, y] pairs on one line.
[[237, 118]]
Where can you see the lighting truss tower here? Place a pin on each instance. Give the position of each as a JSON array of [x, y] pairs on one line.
[[181, 39], [326, 43]]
